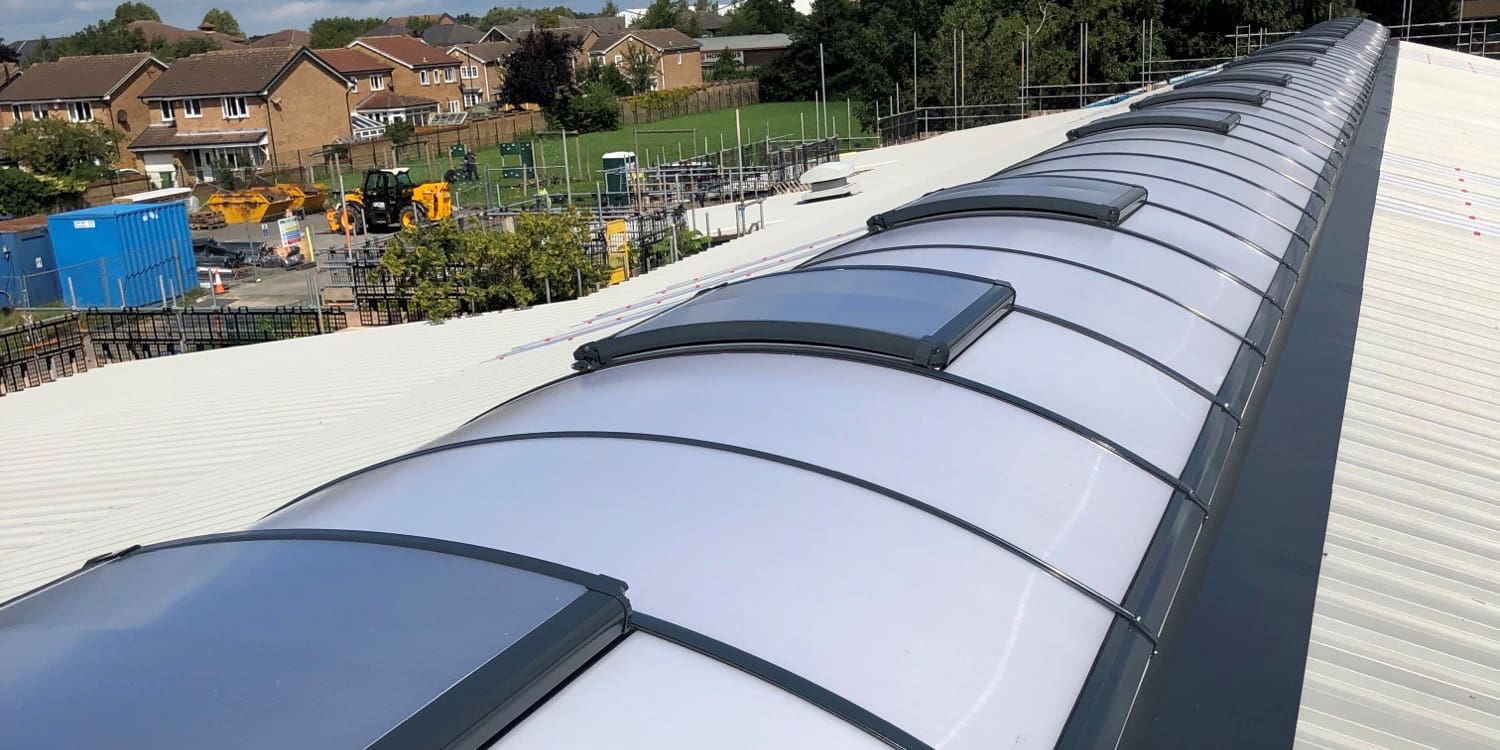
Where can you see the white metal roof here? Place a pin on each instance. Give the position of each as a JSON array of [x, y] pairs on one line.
[[1405, 649]]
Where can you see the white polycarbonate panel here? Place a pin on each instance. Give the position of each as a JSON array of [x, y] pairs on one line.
[[1207, 242], [1256, 196], [1092, 383], [648, 694], [938, 631], [1272, 179], [1174, 274], [1211, 207], [1133, 316], [1325, 131], [1054, 494], [1281, 157], [1317, 143], [1293, 104]]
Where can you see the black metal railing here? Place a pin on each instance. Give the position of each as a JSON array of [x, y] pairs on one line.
[[41, 353]]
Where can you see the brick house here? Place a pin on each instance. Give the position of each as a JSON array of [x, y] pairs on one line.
[[419, 71], [369, 79], [241, 108], [481, 70], [104, 89], [676, 56]]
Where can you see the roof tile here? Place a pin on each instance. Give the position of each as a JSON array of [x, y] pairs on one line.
[[406, 50], [348, 60], [91, 77], [243, 71]]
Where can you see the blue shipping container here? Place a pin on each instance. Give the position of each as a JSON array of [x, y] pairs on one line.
[[135, 254], [28, 272]]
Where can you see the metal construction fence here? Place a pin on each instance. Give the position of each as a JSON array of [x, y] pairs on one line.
[[45, 351]]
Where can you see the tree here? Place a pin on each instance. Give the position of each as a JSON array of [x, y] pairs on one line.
[[596, 109], [609, 10], [338, 31], [539, 71], [762, 17], [169, 51], [418, 24], [447, 269], [400, 132], [640, 69], [61, 149], [725, 68], [108, 37], [548, 19], [607, 75], [23, 195], [661, 14], [132, 11], [223, 22], [688, 22]]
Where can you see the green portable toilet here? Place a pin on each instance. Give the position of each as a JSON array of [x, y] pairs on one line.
[[618, 167]]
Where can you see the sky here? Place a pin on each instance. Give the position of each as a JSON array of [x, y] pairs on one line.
[[29, 19]]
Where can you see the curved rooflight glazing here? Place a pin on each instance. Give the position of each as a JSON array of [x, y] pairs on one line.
[[937, 487]]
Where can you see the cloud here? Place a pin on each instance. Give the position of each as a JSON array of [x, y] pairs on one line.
[[29, 19]]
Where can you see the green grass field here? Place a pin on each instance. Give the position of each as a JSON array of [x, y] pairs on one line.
[[690, 136]]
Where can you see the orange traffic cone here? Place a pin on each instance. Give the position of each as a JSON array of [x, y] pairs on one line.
[[218, 282]]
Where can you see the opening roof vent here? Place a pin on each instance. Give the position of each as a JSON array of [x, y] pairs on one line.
[[1315, 45], [1264, 78], [1295, 58], [1194, 119], [915, 315], [1217, 93], [1103, 202]]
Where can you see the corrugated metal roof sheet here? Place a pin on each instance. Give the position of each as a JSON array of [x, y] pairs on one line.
[[1405, 646], [212, 441]]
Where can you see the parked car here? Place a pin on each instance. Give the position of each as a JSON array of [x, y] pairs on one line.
[[229, 254]]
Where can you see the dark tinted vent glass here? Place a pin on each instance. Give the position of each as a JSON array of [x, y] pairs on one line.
[[1262, 78], [920, 316], [1218, 93], [1197, 119], [1095, 200], [1294, 58], [1312, 45], [286, 644]]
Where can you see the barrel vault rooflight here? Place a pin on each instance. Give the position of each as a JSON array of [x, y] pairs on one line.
[[948, 483]]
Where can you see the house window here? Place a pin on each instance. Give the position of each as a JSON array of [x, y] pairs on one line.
[[234, 108], [619, 59], [377, 82], [38, 111], [448, 75], [15, 112], [166, 111], [453, 106], [422, 75], [679, 58], [80, 112], [471, 100], [192, 108]]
